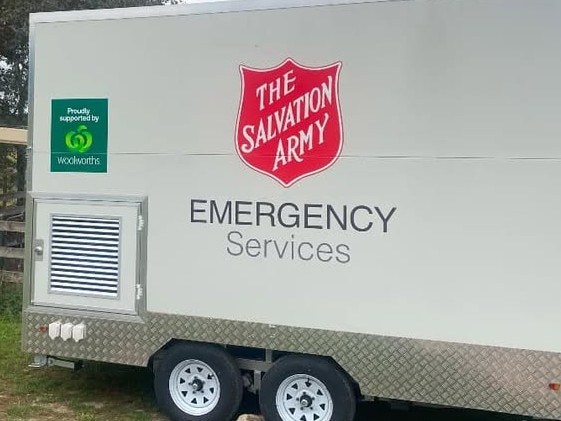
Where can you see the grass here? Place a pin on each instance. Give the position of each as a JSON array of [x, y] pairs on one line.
[[98, 392], [10, 300]]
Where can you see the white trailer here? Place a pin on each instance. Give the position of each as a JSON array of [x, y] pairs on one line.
[[323, 200]]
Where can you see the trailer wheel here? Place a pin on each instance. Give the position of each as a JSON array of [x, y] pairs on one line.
[[306, 388], [198, 382]]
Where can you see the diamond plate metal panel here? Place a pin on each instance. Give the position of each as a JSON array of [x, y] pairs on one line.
[[480, 377]]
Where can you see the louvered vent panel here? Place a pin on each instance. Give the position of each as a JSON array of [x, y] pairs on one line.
[[85, 255]]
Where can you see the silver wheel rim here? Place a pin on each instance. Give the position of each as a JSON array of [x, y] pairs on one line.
[[304, 398], [194, 387]]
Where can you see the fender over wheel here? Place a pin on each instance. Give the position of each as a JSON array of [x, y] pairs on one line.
[[197, 382], [306, 388]]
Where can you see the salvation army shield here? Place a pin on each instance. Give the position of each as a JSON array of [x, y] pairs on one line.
[[289, 120]]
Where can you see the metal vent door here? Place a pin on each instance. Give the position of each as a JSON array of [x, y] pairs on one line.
[[86, 254]]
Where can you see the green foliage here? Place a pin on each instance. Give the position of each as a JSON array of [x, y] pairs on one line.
[[8, 170], [10, 300], [19, 412]]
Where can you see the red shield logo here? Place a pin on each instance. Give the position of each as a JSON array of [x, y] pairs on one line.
[[289, 120]]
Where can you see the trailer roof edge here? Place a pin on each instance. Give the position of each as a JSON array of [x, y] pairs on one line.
[[211, 6]]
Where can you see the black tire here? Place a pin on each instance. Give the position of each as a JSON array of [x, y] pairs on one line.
[[286, 381], [186, 366]]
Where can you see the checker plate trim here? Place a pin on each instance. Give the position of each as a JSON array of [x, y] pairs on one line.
[[452, 374]]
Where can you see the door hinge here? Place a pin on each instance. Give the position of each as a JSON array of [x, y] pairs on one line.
[[139, 291], [140, 223]]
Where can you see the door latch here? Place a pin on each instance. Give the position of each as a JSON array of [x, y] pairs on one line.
[[38, 250]]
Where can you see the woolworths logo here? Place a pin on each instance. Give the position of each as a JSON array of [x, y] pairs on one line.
[[78, 161], [79, 135], [80, 140]]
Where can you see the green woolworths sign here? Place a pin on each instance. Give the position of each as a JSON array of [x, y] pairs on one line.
[[79, 135]]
